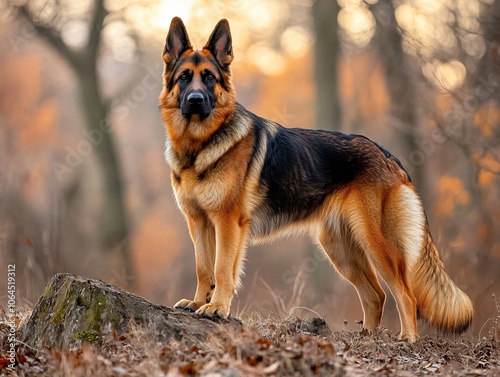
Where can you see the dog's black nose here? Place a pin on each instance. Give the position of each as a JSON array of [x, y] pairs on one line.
[[195, 98]]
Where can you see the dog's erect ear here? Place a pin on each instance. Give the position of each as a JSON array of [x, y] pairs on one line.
[[177, 41], [220, 44]]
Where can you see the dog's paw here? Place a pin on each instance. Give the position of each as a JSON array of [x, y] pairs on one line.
[[213, 310], [408, 338], [192, 306]]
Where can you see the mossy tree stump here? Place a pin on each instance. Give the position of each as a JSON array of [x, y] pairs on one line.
[[74, 310]]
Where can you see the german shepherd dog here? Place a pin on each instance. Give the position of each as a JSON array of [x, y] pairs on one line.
[[241, 179]]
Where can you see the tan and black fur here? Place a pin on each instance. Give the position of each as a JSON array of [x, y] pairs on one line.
[[240, 179]]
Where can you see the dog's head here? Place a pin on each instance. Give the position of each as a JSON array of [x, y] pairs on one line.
[[197, 83]]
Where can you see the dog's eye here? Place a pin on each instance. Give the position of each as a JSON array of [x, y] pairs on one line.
[[183, 77], [210, 78]]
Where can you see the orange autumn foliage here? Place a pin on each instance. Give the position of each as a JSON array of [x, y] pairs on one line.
[[451, 193], [361, 81], [41, 127], [156, 243], [287, 98], [485, 178], [32, 118], [487, 117]]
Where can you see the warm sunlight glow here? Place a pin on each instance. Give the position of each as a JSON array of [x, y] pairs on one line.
[[350, 4], [267, 59], [74, 33], [265, 17], [474, 45], [358, 23], [254, 27], [120, 42], [429, 26], [447, 76], [164, 11], [295, 41]]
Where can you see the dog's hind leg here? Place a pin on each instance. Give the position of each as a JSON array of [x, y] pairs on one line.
[[365, 223], [351, 262]]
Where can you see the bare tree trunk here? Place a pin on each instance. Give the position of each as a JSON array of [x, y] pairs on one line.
[[326, 53], [114, 225], [388, 45]]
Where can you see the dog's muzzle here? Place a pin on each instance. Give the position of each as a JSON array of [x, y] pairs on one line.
[[196, 103]]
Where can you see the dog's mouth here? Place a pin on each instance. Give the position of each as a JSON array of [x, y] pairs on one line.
[[196, 104], [202, 113]]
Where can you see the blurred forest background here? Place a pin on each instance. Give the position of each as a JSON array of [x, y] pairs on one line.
[[83, 183]]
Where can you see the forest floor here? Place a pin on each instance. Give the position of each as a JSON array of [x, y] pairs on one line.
[[265, 347]]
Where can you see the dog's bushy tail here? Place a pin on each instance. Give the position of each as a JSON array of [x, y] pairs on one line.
[[439, 300]]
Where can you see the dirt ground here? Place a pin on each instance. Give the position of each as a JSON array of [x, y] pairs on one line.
[[267, 347]]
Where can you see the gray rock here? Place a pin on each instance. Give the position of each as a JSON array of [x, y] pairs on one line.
[[74, 310]]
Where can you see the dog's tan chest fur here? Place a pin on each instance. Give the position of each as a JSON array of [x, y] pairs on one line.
[[218, 186], [195, 193]]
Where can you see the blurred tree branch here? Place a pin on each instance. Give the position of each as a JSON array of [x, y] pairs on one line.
[[95, 30], [114, 227], [388, 45], [326, 55], [473, 127], [51, 35]]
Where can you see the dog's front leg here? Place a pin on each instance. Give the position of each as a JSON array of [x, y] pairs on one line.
[[202, 234], [230, 233]]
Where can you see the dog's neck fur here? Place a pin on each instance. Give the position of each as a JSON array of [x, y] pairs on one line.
[[203, 153]]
